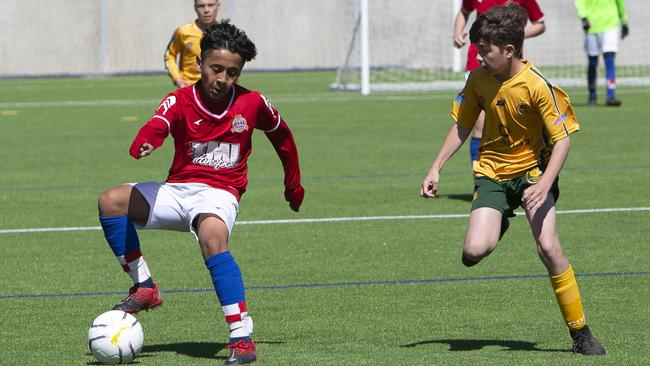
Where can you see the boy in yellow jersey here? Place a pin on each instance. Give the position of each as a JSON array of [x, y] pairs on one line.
[[184, 44], [525, 142]]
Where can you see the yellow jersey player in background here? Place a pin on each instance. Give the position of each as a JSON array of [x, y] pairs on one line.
[[526, 140], [184, 44]]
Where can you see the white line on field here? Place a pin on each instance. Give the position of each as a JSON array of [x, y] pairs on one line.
[[316, 98], [327, 97], [336, 219]]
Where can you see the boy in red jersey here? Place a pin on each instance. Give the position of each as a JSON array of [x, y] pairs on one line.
[[536, 28], [212, 123]]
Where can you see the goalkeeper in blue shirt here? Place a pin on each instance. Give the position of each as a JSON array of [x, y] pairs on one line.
[[601, 20]]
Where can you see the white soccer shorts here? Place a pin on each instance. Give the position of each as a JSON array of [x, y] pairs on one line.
[[597, 43], [174, 206]]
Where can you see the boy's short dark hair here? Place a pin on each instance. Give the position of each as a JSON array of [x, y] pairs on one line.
[[500, 26], [225, 36]]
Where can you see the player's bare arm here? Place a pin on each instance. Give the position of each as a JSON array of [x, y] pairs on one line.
[[453, 141], [534, 29], [459, 25], [535, 195]]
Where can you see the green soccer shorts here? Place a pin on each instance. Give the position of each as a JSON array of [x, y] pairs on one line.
[[505, 196]]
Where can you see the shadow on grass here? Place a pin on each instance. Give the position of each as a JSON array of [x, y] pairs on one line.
[[459, 197], [478, 344], [192, 349], [207, 350]]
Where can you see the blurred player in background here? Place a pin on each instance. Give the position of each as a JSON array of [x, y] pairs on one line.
[[536, 28], [183, 50], [212, 123], [601, 20], [528, 121]]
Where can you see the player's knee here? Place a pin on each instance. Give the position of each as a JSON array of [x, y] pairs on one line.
[[550, 251], [472, 254], [212, 246], [110, 203]]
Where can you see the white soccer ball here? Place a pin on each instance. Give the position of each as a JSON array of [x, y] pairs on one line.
[[115, 337]]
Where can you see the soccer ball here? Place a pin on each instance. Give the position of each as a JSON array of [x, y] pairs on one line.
[[115, 337]]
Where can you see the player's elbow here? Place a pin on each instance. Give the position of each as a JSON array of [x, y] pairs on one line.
[[536, 29]]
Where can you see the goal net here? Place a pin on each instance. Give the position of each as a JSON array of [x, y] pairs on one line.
[[407, 45]]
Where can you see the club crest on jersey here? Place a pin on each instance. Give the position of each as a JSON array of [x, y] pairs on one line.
[[239, 124], [523, 108], [189, 45]]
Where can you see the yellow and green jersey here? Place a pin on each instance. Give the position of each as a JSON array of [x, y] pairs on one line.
[[603, 15], [524, 116], [186, 43]]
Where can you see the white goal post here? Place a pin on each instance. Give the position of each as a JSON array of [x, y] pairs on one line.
[[407, 45]]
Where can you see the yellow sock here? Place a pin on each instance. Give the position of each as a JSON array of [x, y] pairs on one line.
[[568, 297]]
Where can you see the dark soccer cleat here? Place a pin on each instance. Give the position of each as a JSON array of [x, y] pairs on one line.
[[140, 298], [591, 100], [241, 352], [613, 102], [585, 343]]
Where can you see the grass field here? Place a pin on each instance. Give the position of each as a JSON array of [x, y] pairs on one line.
[[363, 290]]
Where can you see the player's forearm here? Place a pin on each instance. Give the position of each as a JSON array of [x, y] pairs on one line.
[[453, 141], [534, 30], [153, 132], [556, 161], [173, 70], [285, 146], [459, 22]]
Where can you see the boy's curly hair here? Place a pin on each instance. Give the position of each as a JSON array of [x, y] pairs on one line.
[[225, 36], [500, 26]]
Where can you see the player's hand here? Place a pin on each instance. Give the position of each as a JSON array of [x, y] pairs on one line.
[[534, 196], [459, 40], [294, 196], [180, 82], [625, 31], [145, 149], [585, 25], [429, 188]]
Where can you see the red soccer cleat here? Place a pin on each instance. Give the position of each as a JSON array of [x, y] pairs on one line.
[[140, 298], [241, 352]]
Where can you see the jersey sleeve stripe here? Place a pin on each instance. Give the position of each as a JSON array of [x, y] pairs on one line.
[[276, 125], [169, 127], [550, 88]]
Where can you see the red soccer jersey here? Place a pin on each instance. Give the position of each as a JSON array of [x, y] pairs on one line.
[[481, 6], [213, 148]]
